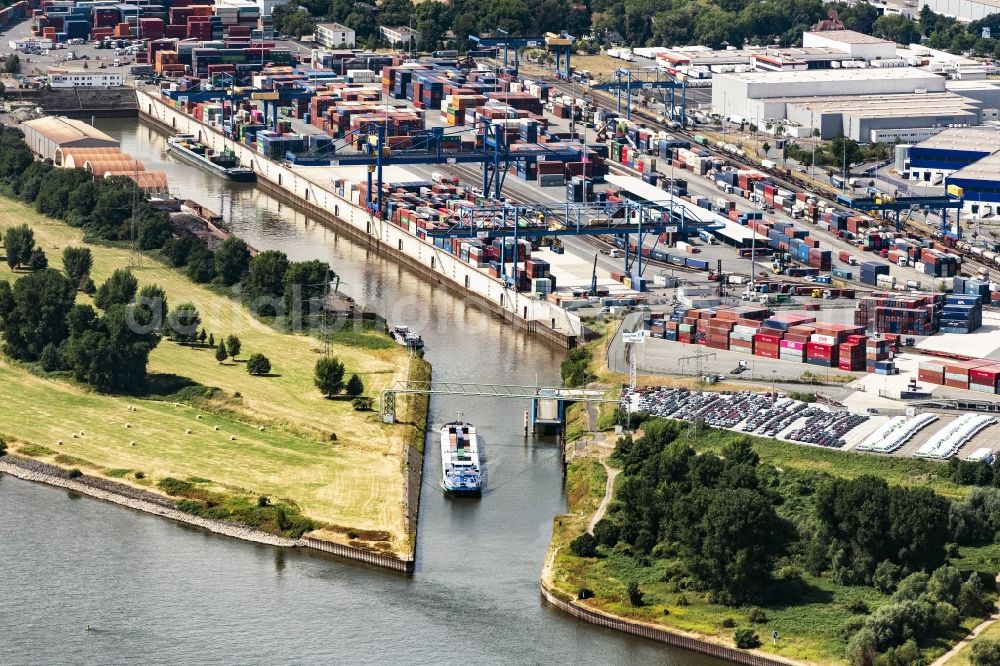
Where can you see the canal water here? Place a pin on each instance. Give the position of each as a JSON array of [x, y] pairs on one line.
[[82, 581]]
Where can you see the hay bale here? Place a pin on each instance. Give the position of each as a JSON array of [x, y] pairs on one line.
[[81, 433], [198, 416], [60, 443], [232, 438], [261, 428], [132, 443], [128, 425], [215, 428], [74, 435], [188, 431]]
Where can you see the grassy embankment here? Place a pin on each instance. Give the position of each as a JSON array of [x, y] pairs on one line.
[[811, 630], [340, 468]]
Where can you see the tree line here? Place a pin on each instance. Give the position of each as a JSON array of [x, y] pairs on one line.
[[742, 532]]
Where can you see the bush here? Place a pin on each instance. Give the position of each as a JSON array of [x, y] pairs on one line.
[[87, 286], [362, 404], [140, 475], [746, 638], [73, 473], [635, 594], [946, 616], [175, 487], [606, 532], [756, 615], [355, 386], [886, 577], [584, 545], [857, 606], [3, 447], [985, 652], [258, 364], [683, 601], [728, 623]]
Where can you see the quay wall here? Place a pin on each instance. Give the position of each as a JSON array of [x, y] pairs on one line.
[[519, 309]]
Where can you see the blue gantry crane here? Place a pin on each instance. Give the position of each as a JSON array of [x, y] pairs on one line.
[[646, 78], [561, 44], [887, 206], [367, 146]]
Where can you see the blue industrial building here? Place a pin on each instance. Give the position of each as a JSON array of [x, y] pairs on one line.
[[965, 157]]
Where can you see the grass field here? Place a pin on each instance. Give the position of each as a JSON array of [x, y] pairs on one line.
[[964, 656], [355, 481]]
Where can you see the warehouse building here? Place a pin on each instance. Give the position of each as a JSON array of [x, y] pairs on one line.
[[964, 10], [966, 157], [47, 135], [875, 104], [855, 45]]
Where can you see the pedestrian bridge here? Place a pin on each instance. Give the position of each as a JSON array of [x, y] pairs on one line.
[[548, 404]]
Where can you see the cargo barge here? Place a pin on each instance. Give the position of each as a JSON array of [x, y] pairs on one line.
[[406, 338], [461, 474], [224, 164]]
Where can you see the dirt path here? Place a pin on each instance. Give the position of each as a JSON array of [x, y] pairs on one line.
[[947, 656], [602, 448]]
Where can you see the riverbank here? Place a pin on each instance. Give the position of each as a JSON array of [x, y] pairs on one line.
[[310, 189], [221, 434]]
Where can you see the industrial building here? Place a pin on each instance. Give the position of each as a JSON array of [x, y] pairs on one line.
[[72, 144], [967, 157], [46, 136], [964, 10], [334, 35], [855, 45]]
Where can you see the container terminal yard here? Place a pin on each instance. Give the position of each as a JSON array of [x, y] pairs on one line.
[[545, 201]]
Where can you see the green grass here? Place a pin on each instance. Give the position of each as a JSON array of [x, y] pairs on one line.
[[964, 656], [355, 481]]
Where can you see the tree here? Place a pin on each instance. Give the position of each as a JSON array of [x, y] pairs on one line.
[[200, 264], [154, 230], [202, 336], [232, 260], [37, 261], [355, 386], [177, 250], [211, 339], [305, 284], [897, 28], [634, 594], [220, 352], [77, 262], [49, 359], [36, 313], [11, 64], [234, 345], [184, 321], [266, 281], [112, 354], [329, 376], [19, 241], [258, 364], [151, 308], [118, 289]]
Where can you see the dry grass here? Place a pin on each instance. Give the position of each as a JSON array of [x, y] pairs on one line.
[[356, 481]]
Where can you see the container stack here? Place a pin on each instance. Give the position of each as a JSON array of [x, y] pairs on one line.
[[903, 314], [851, 354], [985, 378], [961, 314], [877, 350], [870, 270]]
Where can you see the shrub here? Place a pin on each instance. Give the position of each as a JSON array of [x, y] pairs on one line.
[[175, 487], [87, 286], [756, 615], [140, 475], [728, 623], [263, 501], [73, 473], [635, 594], [584, 545], [3, 447], [258, 364], [746, 638], [886, 577], [683, 601], [946, 616], [355, 386], [362, 404], [985, 652], [857, 606]]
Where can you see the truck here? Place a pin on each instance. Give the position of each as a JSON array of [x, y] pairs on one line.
[[848, 258], [444, 179], [767, 164]]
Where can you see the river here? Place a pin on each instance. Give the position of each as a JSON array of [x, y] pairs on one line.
[[153, 591]]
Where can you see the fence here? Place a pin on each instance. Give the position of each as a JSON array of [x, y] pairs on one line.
[[662, 635]]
